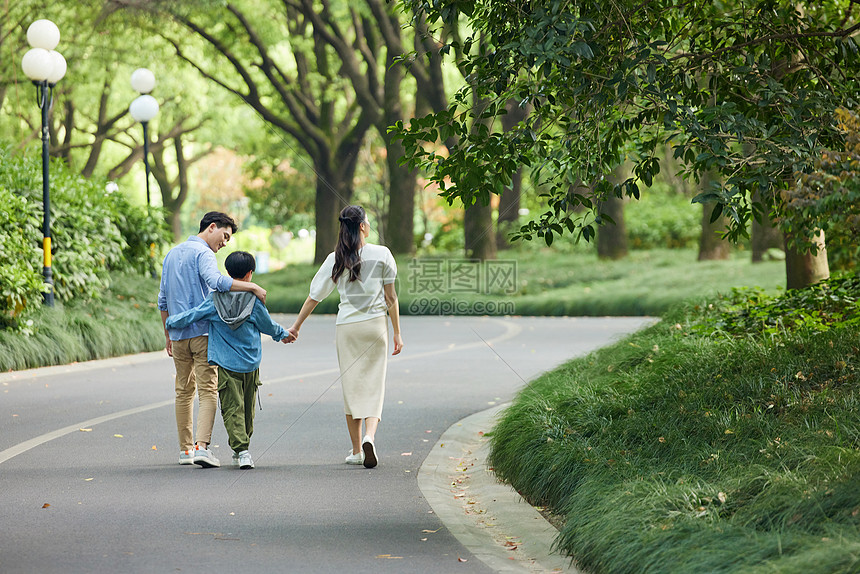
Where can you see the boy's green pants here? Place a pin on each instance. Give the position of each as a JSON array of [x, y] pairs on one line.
[[237, 392]]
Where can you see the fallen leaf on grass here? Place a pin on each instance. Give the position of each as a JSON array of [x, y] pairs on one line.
[[46, 505], [154, 447]]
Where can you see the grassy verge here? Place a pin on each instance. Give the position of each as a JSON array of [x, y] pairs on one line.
[[123, 320], [547, 283], [684, 449]]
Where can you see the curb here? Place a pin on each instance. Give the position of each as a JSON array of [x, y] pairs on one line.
[[490, 519]]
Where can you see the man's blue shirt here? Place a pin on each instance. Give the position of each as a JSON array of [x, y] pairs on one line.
[[240, 349], [189, 274]]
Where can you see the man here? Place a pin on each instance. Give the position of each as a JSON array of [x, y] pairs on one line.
[[189, 274]]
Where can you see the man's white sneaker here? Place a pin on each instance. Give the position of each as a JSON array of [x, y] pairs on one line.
[[355, 458], [369, 452], [205, 458], [186, 456]]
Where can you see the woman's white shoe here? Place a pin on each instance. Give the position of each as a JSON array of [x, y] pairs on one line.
[[369, 450], [355, 458]]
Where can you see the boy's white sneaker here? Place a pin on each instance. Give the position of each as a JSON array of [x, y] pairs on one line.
[[245, 460]]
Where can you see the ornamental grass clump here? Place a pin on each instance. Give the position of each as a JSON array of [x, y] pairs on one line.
[[690, 448]]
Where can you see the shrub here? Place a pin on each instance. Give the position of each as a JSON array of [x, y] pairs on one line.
[[93, 233], [662, 219], [818, 308]]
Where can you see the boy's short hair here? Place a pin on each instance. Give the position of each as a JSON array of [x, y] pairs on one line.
[[220, 220], [239, 263]]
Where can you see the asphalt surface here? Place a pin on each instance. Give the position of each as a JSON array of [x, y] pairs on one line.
[[90, 480]]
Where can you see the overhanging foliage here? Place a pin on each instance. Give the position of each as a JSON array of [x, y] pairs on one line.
[[744, 90]]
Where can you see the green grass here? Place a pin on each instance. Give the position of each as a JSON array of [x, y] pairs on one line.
[[123, 320], [549, 283], [673, 451]]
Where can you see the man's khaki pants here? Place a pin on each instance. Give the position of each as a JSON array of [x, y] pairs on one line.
[[194, 371]]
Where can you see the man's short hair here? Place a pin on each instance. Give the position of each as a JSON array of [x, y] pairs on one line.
[[239, 263], [219, 219]]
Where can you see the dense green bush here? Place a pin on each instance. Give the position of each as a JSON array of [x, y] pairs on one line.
[[662, 219], [20, 271], [830, 304], [93, 233]]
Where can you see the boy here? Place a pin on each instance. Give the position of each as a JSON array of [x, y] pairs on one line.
[[236, 320]]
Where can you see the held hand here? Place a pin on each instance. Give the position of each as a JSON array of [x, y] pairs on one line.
[[398, 344], [292, 335]]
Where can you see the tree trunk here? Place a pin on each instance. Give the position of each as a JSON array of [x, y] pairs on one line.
[[509, 202], [712, 247], [478, 229], [612, 239], [478, 218], [805, 269], [334, 189], [509, 211], [400, 220], [765, 235], [327, 207], [400, 224]]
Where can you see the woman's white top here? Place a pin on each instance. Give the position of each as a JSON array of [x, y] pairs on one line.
[[363, 298]]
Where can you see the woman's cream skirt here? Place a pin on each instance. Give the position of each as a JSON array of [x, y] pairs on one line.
[[362, 353]]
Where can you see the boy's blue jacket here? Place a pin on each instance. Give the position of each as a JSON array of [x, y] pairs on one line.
[[236, 320]]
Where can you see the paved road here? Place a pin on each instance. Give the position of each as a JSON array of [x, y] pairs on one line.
[[89, 480]]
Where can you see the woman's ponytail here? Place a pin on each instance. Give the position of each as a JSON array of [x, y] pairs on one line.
[[346, 255]]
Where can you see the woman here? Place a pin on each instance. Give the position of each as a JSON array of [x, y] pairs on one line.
[[364, 275]]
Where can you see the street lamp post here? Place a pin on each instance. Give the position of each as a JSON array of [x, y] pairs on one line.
[[45, 67], [143, 109]]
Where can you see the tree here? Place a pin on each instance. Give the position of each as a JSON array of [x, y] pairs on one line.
[[829, 198], [92, 131], [700, 77], [281, 66]]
